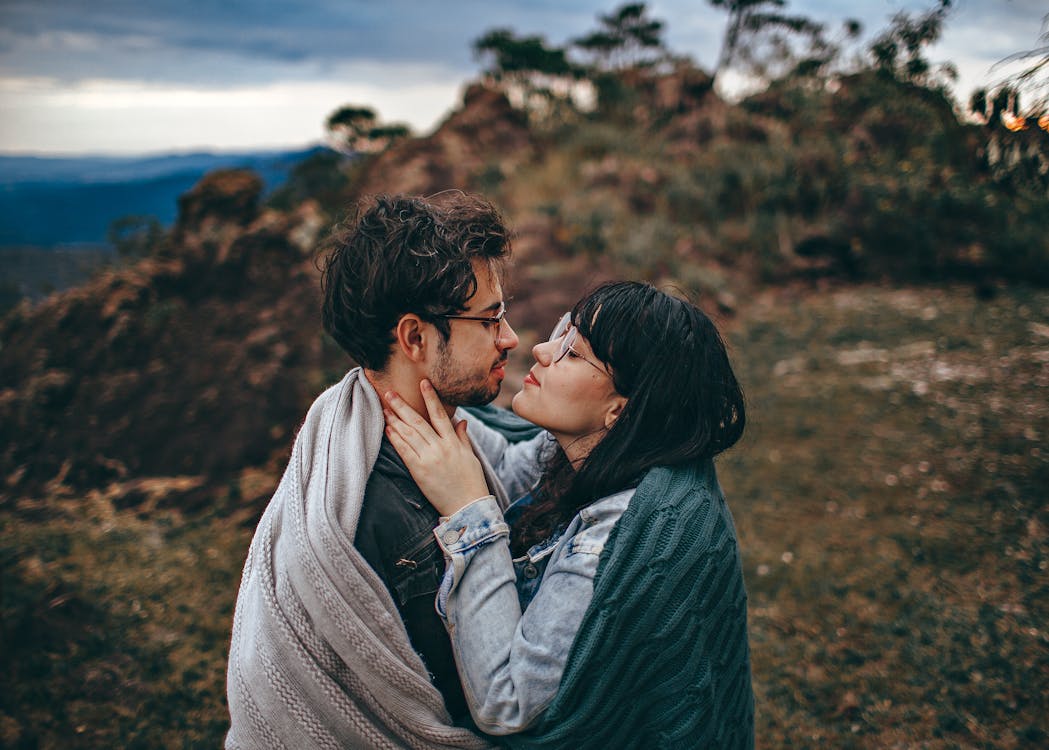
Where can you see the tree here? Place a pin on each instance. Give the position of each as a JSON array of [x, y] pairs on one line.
[[348, 123], [539, 78], [323, 176], [1018, 134], [1034, 79], [627, 38], [355, 129], [748, 20], [521, 58], [135, 236], [899, 50]]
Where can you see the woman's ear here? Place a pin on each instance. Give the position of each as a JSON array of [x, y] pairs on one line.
[[412, 337], [615, 408]]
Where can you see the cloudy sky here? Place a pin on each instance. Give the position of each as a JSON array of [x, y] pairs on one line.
[[145, 76]]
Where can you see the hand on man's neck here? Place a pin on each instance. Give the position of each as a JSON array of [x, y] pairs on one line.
[[405, 383]]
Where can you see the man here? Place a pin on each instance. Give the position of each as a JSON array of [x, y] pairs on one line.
[[344, 553]]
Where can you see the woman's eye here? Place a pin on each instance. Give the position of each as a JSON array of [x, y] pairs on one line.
[[574, 353]]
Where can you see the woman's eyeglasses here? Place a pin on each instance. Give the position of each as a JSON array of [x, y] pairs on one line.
[[567, 332]]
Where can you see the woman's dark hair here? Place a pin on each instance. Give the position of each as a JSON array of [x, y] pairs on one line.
[[403, 254], [683, 406]]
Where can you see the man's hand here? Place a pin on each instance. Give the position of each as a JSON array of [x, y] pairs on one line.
[[438, 454]]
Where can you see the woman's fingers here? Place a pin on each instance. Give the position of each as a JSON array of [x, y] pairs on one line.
[[403, 446], [405, 431], [442, 425], [442, 462], [411, 423], [460, 432]]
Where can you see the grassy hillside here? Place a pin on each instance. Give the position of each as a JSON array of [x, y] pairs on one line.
[[868, 252], [890, 499], [891, 502]]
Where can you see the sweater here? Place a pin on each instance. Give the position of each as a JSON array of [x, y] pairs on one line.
[[661, 659], [319, 657]]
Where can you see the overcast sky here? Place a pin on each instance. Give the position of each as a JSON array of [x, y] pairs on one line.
[[146, 76]]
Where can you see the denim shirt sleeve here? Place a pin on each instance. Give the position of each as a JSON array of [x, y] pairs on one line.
[[511, 663], [516, 464]]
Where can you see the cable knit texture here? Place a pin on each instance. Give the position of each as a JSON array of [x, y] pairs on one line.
[[661, 659], [319, 657]]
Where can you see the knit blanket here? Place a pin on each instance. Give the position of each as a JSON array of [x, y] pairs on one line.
[[319, 657], [505, 422], [661, 659]]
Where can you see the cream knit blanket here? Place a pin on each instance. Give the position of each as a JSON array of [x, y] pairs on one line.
[[319, 656]]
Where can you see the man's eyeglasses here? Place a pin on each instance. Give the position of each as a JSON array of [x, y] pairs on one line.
[[491, 322], [567, 332]]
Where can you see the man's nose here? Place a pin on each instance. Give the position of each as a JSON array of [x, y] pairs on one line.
[[507, 338]]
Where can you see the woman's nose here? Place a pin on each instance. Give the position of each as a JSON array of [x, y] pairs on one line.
[[544, 352]]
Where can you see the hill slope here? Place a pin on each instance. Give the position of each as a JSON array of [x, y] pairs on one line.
[[889, 492]]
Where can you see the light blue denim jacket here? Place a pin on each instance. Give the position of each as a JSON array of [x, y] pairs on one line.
[[511, 661]]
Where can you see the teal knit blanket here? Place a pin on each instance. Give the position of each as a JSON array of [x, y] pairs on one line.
[[661, 659], [505, 422]]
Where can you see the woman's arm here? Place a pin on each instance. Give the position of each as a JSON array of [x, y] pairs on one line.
[[517, 465], [511, 663]]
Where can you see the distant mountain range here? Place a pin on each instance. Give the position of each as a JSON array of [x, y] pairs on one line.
[[54, 201]]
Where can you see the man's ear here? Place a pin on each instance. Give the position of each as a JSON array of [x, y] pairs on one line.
[[414, 336], [615, 408]]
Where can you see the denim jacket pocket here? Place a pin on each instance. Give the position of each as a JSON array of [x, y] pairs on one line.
[[418, 570], [588, 541]]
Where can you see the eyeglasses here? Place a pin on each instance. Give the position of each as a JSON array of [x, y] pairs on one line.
[[494, 322], [567, 332]]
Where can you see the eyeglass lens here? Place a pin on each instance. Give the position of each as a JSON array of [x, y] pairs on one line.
[[562, 326]]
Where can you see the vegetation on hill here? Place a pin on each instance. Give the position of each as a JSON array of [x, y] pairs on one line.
[[889, 492], [889, 495], [858, 169]]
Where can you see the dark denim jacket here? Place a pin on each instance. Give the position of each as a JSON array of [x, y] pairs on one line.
[[395, 536]]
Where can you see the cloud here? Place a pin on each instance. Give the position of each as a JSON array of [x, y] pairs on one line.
[[106, 116], [111, 62], [206, 42], [179, 41]]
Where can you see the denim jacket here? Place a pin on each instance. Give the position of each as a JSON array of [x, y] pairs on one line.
[[395, 536], [511, 639]]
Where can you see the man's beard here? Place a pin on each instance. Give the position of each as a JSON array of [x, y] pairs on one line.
[[459, 388]]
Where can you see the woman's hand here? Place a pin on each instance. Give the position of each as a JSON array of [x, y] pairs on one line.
[[438, 455]]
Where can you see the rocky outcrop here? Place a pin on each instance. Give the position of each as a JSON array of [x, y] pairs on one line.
[[485, 136], [193, 362], [198, 361]]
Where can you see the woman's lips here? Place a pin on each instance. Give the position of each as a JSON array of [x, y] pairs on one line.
[[530, 379]]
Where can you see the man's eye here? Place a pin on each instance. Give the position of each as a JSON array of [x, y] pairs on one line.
[[489, 323]]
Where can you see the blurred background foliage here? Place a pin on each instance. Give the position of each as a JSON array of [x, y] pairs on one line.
[[849, 159], [876, 255]]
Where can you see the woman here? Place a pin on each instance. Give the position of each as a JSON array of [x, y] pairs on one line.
[[613, 614]]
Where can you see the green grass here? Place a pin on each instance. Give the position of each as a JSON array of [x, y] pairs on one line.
[[118, 623], [890, 495]]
